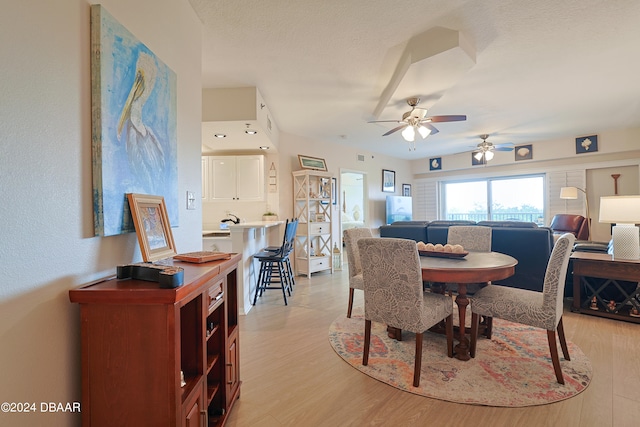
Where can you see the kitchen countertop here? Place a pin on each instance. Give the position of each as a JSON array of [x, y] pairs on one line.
[[254, 224], [227, 231]]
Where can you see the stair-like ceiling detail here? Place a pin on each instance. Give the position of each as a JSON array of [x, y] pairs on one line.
[[431, 63]]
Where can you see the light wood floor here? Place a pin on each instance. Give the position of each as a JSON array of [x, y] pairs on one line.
[[292, 377]]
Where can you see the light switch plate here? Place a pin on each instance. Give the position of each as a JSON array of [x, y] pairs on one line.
[[191, 200]]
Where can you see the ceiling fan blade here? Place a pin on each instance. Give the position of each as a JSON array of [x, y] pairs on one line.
[[507, 146], [385, 121], [395, 129], [431, 128], [449, 118]]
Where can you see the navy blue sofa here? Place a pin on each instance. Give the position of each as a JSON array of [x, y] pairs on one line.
[[529, 244]]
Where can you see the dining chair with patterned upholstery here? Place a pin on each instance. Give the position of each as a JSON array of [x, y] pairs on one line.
[[393, 294], [350, 238], [474, 238], [538, 309]]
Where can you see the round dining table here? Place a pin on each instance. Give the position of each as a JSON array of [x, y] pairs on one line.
[[476, 267]]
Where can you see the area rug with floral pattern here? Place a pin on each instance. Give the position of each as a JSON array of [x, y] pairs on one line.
[[513, 369]]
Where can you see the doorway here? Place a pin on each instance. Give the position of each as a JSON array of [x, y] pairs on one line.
[[353, 200]]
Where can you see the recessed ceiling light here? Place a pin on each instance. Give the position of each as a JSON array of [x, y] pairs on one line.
[[264, 147], [220, 135], [250, 131]]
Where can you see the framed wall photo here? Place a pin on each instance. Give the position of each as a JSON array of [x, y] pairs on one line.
[[587, 144], [523, 152], [406, 190], [388, 181], [152, 225], [476, 162], [334, 192], [314, 163], [435, 164]]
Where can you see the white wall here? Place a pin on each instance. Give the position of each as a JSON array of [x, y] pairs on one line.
[[618, 152], [610, 142], [48, 245], [340, 157]]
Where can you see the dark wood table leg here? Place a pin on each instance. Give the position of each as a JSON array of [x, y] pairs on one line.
[[462, 348], [394, 333]]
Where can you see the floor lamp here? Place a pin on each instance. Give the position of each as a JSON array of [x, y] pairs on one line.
[[624, 212], [571, 193]]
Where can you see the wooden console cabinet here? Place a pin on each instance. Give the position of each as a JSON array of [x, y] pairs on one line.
[[137, 339], [587, 296]]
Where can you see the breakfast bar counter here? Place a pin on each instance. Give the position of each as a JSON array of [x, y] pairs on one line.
[[247, 239]]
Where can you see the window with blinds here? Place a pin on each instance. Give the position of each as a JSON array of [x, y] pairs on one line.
[[519, 198]]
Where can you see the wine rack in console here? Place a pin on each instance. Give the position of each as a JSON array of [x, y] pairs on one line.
[[312, 196], [153, 356]]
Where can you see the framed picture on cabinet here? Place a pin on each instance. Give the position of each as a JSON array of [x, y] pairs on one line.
[[388, 181], [152, 225], [313, 163], [406, 190]]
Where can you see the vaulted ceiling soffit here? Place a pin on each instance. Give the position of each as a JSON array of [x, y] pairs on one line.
[[431, 63]]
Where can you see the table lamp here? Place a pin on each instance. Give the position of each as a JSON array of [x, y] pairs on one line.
[[624, 211], [571, 193]]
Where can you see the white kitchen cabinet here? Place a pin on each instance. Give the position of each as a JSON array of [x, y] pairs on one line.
[[238, 178]]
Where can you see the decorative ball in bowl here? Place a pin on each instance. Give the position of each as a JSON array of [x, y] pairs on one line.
[[440, 250]]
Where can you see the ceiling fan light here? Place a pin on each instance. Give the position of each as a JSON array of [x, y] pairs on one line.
[[409, 133], [424, 131], [488, 155], [478, 155]]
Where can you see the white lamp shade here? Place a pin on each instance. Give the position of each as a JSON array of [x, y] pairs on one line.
[[568, 193], [478, 155], [424, 131], [624, 211], [488, 155], [620, 209], [409, 133]]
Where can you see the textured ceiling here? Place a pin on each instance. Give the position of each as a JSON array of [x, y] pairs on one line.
[[540, 70]]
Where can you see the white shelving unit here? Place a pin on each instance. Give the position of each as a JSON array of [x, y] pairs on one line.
[[312, 206]]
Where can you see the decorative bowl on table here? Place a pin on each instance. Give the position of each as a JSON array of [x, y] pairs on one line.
[[444, 254], [442, 251]]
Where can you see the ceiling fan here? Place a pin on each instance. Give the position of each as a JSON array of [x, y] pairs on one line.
[[417, 121], [484, 151]]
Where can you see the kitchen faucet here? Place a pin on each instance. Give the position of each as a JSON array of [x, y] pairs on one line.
[[235, 221]]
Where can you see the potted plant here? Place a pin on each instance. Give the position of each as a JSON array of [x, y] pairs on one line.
[[269, 216]]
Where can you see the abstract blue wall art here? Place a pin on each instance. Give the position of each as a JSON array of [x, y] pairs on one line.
[[134, 114]]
